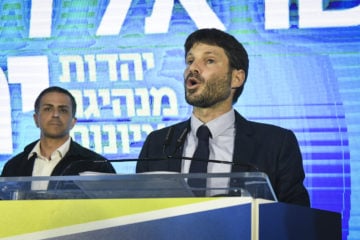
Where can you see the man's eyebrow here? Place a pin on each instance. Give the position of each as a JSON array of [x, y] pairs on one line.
[[47, 105], [52, 105], [205, 53], [211, 52]]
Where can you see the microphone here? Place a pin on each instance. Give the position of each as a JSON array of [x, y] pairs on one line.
[[180, 140], [81, 165], [249, 166], [168, 138], [235, 187], [179, 143], [75, 167]]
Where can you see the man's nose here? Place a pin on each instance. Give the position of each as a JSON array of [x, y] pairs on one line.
[[194, 68], [56, 113]]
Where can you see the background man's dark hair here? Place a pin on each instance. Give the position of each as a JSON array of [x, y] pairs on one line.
[[58, 90], [234, 50]]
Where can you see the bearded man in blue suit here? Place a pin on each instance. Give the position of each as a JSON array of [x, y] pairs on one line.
[[216, 70]]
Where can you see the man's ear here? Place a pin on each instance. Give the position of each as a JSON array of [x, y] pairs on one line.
[[36, 119], [238, 78], [73, 122]]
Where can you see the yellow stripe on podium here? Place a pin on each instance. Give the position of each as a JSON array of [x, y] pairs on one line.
[[28, 216]]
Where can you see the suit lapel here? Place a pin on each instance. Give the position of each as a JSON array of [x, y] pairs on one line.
[[177, 145], [244, 145], [27, 165]]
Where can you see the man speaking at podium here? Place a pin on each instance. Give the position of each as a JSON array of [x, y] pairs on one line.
[[55, 153], [214, 77]]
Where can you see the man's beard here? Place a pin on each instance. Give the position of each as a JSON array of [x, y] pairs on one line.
[[213, 93]]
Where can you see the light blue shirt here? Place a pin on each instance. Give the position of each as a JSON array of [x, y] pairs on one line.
[[221, 146]]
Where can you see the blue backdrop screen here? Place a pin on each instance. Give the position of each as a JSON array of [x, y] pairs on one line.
[[123, 60]]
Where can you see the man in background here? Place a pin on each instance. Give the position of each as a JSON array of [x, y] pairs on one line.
[[55, 153]]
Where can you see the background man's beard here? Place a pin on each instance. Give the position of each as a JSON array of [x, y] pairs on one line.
[[55, 135]]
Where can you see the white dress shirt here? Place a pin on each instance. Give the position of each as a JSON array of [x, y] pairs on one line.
[[221, 147], [44, 166]]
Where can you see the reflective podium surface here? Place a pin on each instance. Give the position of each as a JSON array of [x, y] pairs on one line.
[[146, 185]]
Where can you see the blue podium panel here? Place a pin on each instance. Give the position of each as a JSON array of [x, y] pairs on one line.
[[285, 221], [165, 218], [226, 223]]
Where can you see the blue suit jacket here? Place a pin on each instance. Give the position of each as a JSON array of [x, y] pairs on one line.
[[273, 150]]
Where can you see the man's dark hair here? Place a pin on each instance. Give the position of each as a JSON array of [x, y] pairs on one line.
[[235, 51], [58, 90]]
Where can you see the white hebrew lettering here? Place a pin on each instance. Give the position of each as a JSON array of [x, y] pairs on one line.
[[158, 95], [136, 59], [159, 20], [103, 138], [93, 108], [32, 72], [312, 15], [79, 102], [79, 68], [105, 95], [124, 137], [114, 17], [144, 99], [95, 131], [90, 60], [40, 18], [204, 18], [111, 146], [135, 129], [149, 60], [76, 63], [130, 103], [6, 146], [83, 133], [277, 14], [111, 60]]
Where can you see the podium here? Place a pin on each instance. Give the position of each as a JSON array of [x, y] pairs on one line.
[[155, 206]]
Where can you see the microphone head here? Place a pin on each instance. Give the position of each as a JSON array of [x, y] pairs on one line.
[[168, 136]]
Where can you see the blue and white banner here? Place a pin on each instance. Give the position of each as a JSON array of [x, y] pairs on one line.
[[123, 60]]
